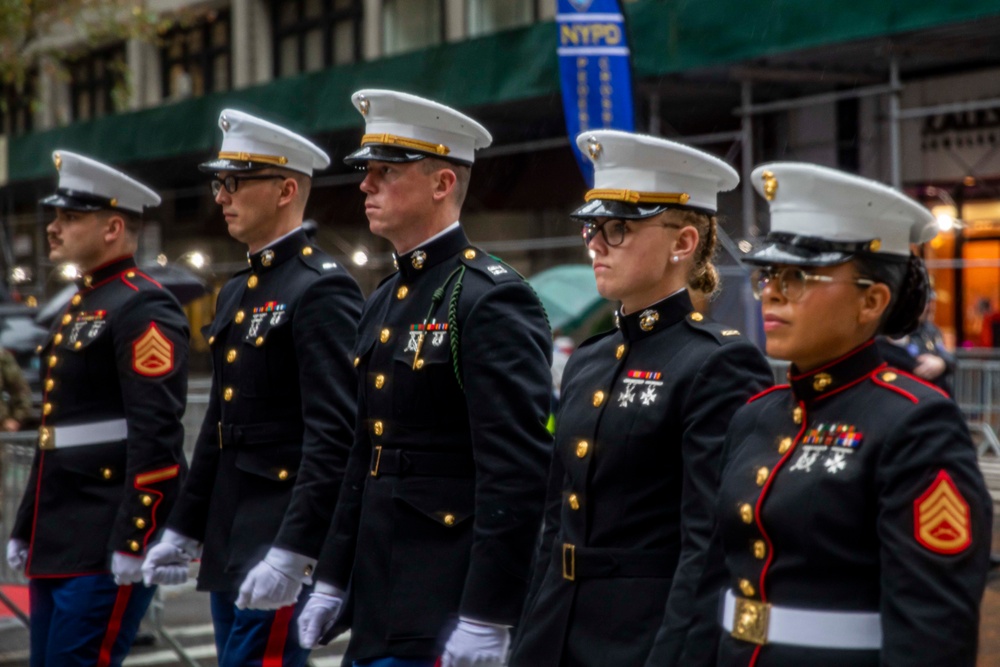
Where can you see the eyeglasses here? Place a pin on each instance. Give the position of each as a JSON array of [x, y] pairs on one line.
[[613, 231], [791, 282], [232, 182]]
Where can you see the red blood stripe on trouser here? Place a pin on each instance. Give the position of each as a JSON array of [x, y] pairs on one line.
[[275, 651], [114, 626]]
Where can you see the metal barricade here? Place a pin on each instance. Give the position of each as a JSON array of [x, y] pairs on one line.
[[16, 453], [977, 392]]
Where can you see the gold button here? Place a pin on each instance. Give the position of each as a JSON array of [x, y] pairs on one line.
[[784, 445], [746, 513], [147, 500], [130, 274], [747, 588], [620, 352], [49, 384], [239, 316], [52, 360], [211, 340], [357, 360], [449, 519], [259, 341], [76, 299], [797, 415], [759, 549], [67, 318], [419, 364], [761, 476], [228, 394], [379, 381], [47, 409], [470, 254], [58, 339], [282, 474], [308, 570], [402, 292], [106, 473], [889, 377], [822, 381], [307, 251], [133, 545], [38, 350], [875, 245], [252, 282], [88, 280], [377, 427], [598, 398], [384, 336], [574, 501], [582, 448], [697, 317], [231, 355], [77, 345], [140, 523]]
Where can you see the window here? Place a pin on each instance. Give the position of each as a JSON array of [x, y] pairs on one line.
[[310, 35], [17, 106], [97, 82], [488, 16], [198, 59], [411, 24]]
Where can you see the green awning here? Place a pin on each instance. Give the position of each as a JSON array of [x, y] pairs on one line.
[[667, 36], [568, 294]]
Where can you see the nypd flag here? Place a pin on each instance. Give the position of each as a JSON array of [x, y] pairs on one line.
[[594, 70]]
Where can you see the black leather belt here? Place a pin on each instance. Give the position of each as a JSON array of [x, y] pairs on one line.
[[265, 433], [597, 563], [424, 464]]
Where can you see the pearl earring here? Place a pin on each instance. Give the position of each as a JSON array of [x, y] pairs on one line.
[[675, 259]]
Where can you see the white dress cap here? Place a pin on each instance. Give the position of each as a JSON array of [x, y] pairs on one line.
[[88, 185], [250, 143], [647, 175], [830, 212], [400, 127]]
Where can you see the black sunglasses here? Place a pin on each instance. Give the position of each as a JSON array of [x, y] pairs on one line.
[[232, 182]]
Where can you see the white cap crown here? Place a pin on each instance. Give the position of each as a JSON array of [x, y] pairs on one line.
[[249, 142], [86, 184]]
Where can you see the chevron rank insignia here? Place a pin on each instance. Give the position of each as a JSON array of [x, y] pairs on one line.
[[152, 353], [941, 520]]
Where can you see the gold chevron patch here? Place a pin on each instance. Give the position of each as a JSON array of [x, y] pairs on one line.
[[941, 517], [152, 353]]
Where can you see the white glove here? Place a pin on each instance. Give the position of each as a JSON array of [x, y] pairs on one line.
[[276, 581], [167, 561], [474, 644], [126, 569], [17, 554], [319, 614]]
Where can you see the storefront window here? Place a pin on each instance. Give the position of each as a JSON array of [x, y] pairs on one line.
[[489, 16], [16, 106], [311, 35], [97, 82], [411, 24], [197, 60]]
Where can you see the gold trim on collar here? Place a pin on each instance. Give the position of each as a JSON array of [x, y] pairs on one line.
[[253, 157], [395, 140], [634, 197]]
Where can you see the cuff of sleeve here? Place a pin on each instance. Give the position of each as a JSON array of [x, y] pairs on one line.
[[486, 623], [186, 544], [328, 589], [291, 564]]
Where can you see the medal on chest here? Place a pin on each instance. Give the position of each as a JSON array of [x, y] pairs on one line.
[[833, 444], [640, 387]]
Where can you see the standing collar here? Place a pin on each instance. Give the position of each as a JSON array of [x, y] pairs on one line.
[[837, 374], [432, 252], [656, 317], [284, 248], [105, 271]]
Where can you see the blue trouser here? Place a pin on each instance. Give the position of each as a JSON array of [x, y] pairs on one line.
[[84, 621], [257, 638], [396, 662]]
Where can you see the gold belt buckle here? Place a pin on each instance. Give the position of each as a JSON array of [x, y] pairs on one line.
[[750, 621], [46, 438], [378, 459], [569, 562]]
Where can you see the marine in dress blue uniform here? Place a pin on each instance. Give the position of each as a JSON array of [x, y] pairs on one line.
[[442, 503], [855, 522], [110, 461], [271, 453], [639, 433]]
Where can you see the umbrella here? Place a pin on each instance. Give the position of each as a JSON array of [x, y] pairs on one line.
[[568, 293], [182, 283]]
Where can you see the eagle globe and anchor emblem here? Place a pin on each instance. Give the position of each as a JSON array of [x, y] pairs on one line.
[[581, 5]]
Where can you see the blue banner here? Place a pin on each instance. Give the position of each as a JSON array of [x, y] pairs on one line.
[[594, 70]]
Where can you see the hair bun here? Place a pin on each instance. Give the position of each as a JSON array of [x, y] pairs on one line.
[[910, 301]]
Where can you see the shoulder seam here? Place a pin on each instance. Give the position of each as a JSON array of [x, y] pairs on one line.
[[767, 391]]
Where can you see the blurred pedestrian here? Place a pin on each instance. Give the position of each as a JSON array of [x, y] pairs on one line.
[[15, 393]]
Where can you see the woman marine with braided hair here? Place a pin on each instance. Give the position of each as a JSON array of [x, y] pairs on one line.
[[641, 423], [853, 518]]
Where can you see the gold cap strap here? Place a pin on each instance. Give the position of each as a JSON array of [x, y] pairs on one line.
[[253, 157], [416, 144], [634, 197]]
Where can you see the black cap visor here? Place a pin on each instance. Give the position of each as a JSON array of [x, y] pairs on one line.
[[383, 153], [620, 210], [222, 164], [74, 200], [782, 248]]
